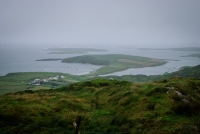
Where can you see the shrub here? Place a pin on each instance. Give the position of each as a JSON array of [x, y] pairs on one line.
[[130, 100], [115, 98], [181, 108], [157, 90], [89, 89], [122, 120], [186, 108], [112, 93], [188, 129], [176, 97], [151, 106], [25, 91], [127, 94]]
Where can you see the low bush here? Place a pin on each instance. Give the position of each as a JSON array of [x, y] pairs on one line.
[[157, 90], [181, 107]]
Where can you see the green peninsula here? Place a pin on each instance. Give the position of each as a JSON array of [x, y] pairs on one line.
[[193, 55], [115, 62], [50, 59]]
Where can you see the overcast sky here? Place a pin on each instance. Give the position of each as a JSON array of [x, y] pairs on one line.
[[100, 22]]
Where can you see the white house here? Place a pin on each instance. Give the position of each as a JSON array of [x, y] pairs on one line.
[[35, 82]]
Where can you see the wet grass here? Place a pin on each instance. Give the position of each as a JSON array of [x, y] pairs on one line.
[[105, 106]]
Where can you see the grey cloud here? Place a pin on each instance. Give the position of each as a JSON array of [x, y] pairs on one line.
[[99, 21]]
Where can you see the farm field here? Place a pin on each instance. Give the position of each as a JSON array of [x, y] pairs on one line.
[[14, 82]]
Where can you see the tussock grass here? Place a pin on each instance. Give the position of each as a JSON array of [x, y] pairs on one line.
[[105, 106]]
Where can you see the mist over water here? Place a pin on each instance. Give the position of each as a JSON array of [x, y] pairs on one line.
[[27, 27], [23, 59]]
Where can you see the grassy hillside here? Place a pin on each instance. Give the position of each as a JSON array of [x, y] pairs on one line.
[[114, 62], [165, 106]]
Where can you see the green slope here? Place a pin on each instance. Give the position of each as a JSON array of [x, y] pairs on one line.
[[169, 106]]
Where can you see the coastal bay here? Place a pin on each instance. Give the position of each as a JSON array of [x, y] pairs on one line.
[[115, 62]]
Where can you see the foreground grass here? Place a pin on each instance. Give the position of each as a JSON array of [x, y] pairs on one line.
[[105, 106]]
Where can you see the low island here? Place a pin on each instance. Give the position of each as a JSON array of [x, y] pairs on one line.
[[73, 50], [193, 55], [192, 49], [112, 62]]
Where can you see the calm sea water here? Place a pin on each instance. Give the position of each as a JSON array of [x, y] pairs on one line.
[[20, 59]]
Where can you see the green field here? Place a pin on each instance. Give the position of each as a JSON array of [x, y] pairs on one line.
[[115, 62], [14, 82]]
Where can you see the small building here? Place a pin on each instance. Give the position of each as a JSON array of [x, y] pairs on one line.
[[62, 77], [44, 81], [55, 78], [35, 82], [51, 78]]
